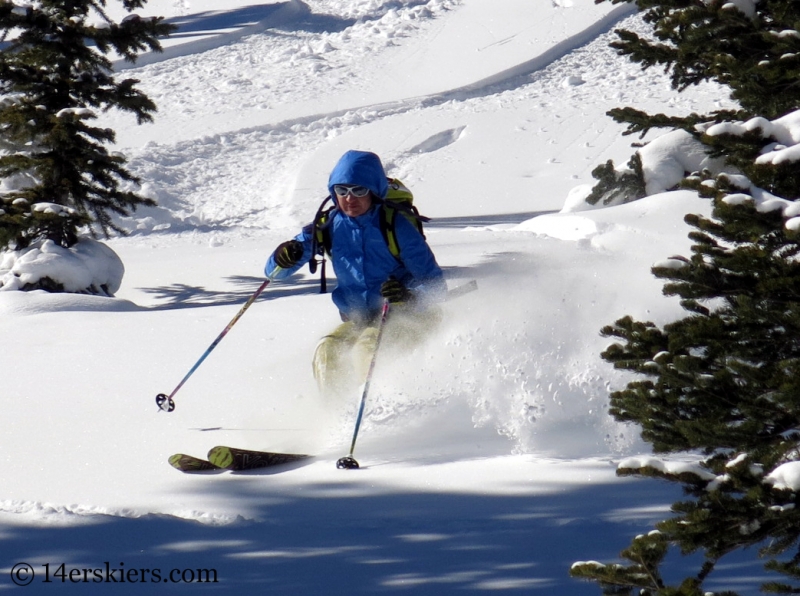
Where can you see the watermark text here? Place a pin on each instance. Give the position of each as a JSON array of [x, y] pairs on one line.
[[24, 574]]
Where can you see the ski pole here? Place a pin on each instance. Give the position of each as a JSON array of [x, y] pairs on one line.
[[465, 288], [165, 402], [348, 462]]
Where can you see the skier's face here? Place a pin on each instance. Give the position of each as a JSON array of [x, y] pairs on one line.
[[352, 205]]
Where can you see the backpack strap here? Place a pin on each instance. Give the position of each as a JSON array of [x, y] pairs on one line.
[[321, 241], [389, 210]]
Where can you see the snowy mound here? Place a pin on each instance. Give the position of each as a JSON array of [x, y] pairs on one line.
[[88, 267]]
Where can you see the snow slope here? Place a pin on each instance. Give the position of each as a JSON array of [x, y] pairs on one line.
[[488, 456]]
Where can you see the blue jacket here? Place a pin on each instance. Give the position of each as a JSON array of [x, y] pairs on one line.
[[360, 256]]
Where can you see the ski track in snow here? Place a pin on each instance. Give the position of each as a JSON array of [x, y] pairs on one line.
[[192, 179]]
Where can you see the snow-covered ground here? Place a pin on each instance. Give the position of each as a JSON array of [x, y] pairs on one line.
[[487, 457]]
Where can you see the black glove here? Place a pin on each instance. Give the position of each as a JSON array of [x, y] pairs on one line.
[[395, 292], [288, 253]]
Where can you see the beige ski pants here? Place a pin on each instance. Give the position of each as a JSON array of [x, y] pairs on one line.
[[342, 358]]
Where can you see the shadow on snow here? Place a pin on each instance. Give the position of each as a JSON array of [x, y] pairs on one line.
[[327, 541], [179, 295], [207, 22], [466, 221]]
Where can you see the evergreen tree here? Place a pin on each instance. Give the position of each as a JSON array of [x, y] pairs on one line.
[[750, 46], [616, 187], [722, 383], [55, 73], [753, 48]]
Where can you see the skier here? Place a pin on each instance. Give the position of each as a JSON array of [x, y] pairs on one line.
[[367, 273]]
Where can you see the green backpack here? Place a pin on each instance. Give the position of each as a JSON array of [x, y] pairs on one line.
[[399, 199]]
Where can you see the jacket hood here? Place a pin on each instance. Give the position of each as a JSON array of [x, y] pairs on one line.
[[359, 168]]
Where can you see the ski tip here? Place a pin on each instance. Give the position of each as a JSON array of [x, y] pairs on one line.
[[222, 457], [190, 463]]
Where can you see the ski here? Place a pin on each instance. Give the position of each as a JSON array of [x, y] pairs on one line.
[[190, 463], [231, 458]]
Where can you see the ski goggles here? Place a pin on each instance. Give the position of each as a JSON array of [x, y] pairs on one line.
[[342, 190]]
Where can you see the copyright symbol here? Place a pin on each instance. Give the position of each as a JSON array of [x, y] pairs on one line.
[[22, 574]]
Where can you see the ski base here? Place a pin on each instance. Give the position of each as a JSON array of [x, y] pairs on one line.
[[231, 458], [190, 463]]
